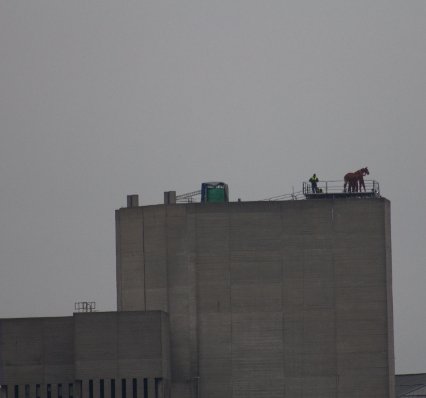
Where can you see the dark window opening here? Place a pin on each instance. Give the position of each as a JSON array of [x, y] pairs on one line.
[[27, 391], [70, 390], [90, 388], [123, 388], [135, 388], [59, 390], [102, 388], [112, 388], [37, 391], [49, 391], [145, 388], [16, 391]]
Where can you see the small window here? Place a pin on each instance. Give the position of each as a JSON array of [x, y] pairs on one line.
[[90, 388], [145, 388], [59, 390], [49, 391], [135, 388], [112, 388], [102, 388], [38, 391], [123, 388], [70, 390], [16, 391]]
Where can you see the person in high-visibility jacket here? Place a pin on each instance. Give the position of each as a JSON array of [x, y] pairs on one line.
[[314, 181]]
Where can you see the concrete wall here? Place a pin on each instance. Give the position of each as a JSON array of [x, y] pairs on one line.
[[121, 345], [36, 350], [266, 299], [36, 356], [89, 355]]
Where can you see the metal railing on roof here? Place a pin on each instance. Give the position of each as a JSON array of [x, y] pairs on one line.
[[325, 189], [288, 196], [328, 189], [337, 188], [187, 197]]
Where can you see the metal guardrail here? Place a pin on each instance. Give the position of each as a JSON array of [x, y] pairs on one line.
[[336, 187], [288, 196], [330, 188], [187, 197]]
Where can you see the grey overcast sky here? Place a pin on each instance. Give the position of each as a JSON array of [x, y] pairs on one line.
[[99, 99]]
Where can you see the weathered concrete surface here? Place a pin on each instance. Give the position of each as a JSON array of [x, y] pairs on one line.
[[266, 299], [120, 345], [81, 355], [34, 350]]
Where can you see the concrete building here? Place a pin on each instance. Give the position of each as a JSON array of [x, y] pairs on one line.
[[254, 299], [112, 354], [266, 299]]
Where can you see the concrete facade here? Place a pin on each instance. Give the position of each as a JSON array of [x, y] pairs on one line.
[[109, 354], [266, 299], [229, 300]]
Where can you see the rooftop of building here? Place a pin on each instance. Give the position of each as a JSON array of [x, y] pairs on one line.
[[218, 192]]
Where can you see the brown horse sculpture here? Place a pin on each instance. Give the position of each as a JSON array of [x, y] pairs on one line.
[[355, 181]]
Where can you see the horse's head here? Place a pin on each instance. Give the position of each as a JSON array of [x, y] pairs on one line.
[[365, 171]]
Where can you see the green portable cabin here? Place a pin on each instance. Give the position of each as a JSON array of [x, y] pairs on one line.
[[214, 192]]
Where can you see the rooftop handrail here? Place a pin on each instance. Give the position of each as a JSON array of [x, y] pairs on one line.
[[187, 197], [288, 196], [338, 186], [329, 187]]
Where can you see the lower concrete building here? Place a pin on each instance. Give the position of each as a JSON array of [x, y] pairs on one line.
[[108, 354], [226, 300]]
